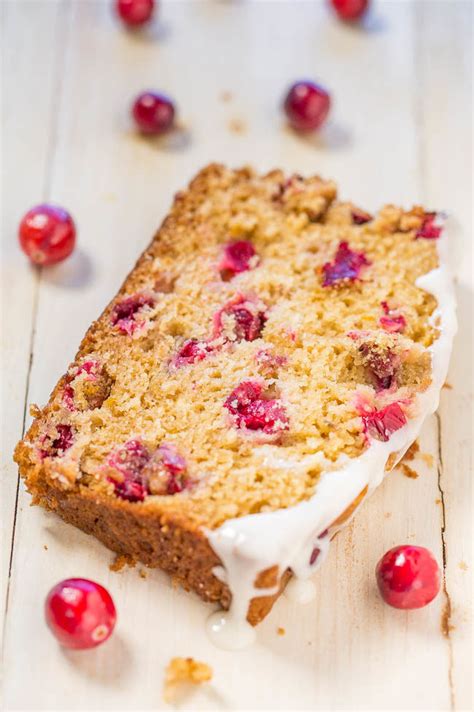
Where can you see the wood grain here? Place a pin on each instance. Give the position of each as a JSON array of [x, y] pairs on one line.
[[400, 131], [442, 156], [28, 120]]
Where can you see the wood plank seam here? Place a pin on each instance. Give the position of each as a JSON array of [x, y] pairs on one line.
[[62, 43], [420, 127], [62, 31], [447, 608], [23, 426]]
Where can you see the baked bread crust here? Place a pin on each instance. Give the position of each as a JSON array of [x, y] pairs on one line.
[[164, 539], [183, 552]]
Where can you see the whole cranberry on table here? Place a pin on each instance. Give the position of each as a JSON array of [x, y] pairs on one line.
[[135, 12], [408, 577], [80, 613], [47, 234], [153, 113], [307, 105], [350, 10]]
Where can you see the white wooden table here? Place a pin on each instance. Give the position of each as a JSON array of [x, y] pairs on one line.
[[400, 131]]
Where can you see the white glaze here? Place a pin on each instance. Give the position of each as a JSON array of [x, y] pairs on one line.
[[300, 591], [229, 632], [286, 537]]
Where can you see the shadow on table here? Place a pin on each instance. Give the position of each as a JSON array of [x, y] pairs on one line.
[[155, 31], [107, 663], [76, 272], [177, 139], [184, 693], [331, 137]]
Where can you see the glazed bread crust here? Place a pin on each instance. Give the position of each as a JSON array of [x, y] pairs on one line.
[[139, 535], [67, 456]]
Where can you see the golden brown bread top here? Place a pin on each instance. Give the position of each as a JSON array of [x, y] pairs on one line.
[[160, 367]]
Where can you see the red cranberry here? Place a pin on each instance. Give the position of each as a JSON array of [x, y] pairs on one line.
[[380, 424], [247, 316], [391, 321], [47, 234], [382, 364], [238, 257], [191, 352], [153, 113], [247, 326], [245, 393], [163, 471], [346, 266], [129, 461], [172, 460], [91, 369], [56, 447], [94, 373], [166, 472], [350, 10], [307, 105], [429, 230], [269, 362], [408, 577], [266, 415], [124, 314], [64, 440], [135, 12], [130, 458], [80, 613], [175, 484], [360, 217], [68, 397], [131, 490], [252, 411]]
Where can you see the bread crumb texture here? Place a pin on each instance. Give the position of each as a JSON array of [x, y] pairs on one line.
[[267, 331], [182, 671], [121, 561]]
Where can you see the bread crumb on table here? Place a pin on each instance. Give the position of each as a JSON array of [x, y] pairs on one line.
[[281, 631], [408, 471], [184, 670], [236, 126], [445, 625], [427, 459], [411, 453], [120, 561]]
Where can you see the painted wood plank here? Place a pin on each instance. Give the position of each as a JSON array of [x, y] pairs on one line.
[[446, 71], [347, 650], [28, 113]]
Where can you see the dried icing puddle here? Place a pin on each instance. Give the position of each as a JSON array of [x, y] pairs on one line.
[[229, 633]]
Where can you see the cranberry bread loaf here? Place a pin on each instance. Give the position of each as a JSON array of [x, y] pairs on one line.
[[262, 365]]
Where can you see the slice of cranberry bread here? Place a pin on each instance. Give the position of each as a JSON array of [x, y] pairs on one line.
[[268, 336]]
